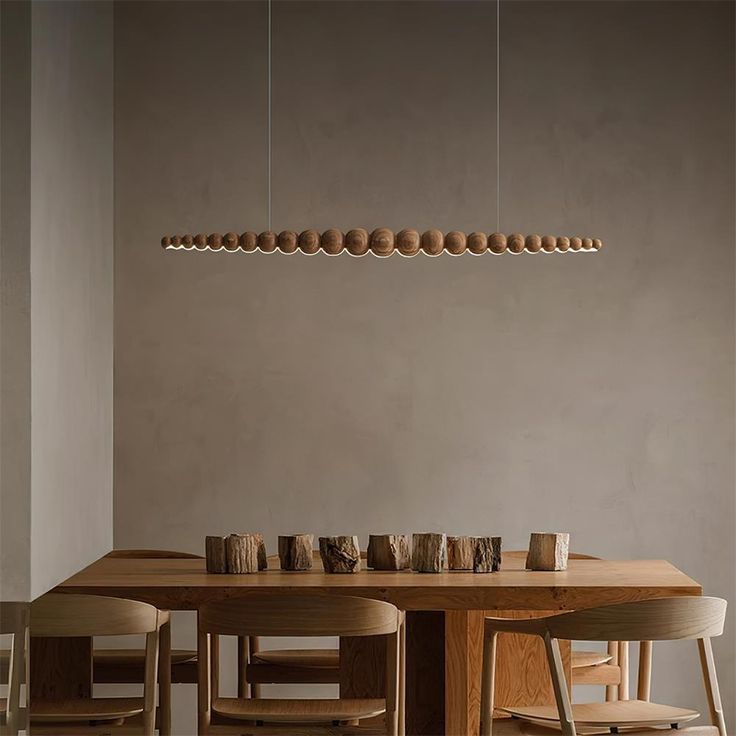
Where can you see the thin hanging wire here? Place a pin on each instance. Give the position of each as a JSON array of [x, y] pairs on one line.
[[269, 116], [498, 116]]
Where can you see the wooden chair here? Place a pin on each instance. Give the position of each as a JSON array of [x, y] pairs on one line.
[[659, 619], [609, 668], [265, 613], [14, 622], [287, 666], [60, 615]]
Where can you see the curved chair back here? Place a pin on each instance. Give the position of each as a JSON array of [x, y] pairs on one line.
[[150, 554], [659, 619], [265, 613], [61, 614]]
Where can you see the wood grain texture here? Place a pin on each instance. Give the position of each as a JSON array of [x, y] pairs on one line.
[[295, 551], [184, 584], [216, 554], [340, 554], [388, 552]]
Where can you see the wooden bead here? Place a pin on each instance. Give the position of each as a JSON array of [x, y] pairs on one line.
[[549, 244], [187, 241], [340, 554], [357, 242], [165, 241], [477, 243], [408, 242], [216, 557], [533, 243], [516, 243], [597, 244], [388, 552], [332, 242], [576, 243], [287, 241], [176, 241], [433, 242], [563, 244], [487, 557], [382, 242], [230, 241], [249, 241], [295, 551], [497, 243], [200, 241], [455, 242], [215, 241], [309, 242], [267, 241], [587, 244]]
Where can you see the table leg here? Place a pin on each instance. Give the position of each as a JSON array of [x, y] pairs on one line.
[[60, 668], [463, 663]]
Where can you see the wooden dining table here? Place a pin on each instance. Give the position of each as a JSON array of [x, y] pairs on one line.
[[444, 622]]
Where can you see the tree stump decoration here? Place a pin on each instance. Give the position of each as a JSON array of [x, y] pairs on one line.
[[460, 552], [548, 551], [295, 551], [214, 550], [428, 552], [340, 554], [388, 552], [242, 553], [487, 554]]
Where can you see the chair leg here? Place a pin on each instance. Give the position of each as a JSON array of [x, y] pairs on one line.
[[488, 684], [243, 647], [559, 684], [402, 676], [204, 683], [612, 690], [164, 680], [644, 689], [623, 663], [710, 681]]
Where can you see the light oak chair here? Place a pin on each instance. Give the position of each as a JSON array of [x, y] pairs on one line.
[[609, 668], [660, 619], [281, 614], [60, 615], [14, 622], [286, 666]]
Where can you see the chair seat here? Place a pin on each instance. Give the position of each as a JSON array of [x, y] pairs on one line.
[[79, 709], [275, 710], [622, 713], [298, 657], [582, 658], [514, 727], [122, 657]]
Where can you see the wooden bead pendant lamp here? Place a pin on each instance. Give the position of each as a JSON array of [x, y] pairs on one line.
[[382, 242]]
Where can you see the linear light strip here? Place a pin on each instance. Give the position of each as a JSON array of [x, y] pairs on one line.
[[381, 242]]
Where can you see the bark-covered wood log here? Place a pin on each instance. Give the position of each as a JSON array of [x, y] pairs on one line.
[[487, 555], [295, 551], [460, 552], [242, 553], [214, 550], [262, 554], [340, 554], [388, 552], [548, 551], [428, 552]]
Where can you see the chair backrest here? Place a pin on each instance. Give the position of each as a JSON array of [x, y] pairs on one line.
[[658, 619], [14, 621], [59, 614], [265, 613], [522, 553], [150, 554]]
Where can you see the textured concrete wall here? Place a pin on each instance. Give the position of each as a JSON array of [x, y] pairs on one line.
[[588, 393]]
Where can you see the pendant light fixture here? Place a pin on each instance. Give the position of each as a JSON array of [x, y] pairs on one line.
[[382, 242]]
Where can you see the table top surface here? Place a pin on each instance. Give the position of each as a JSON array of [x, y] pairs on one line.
[[182, 584]]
